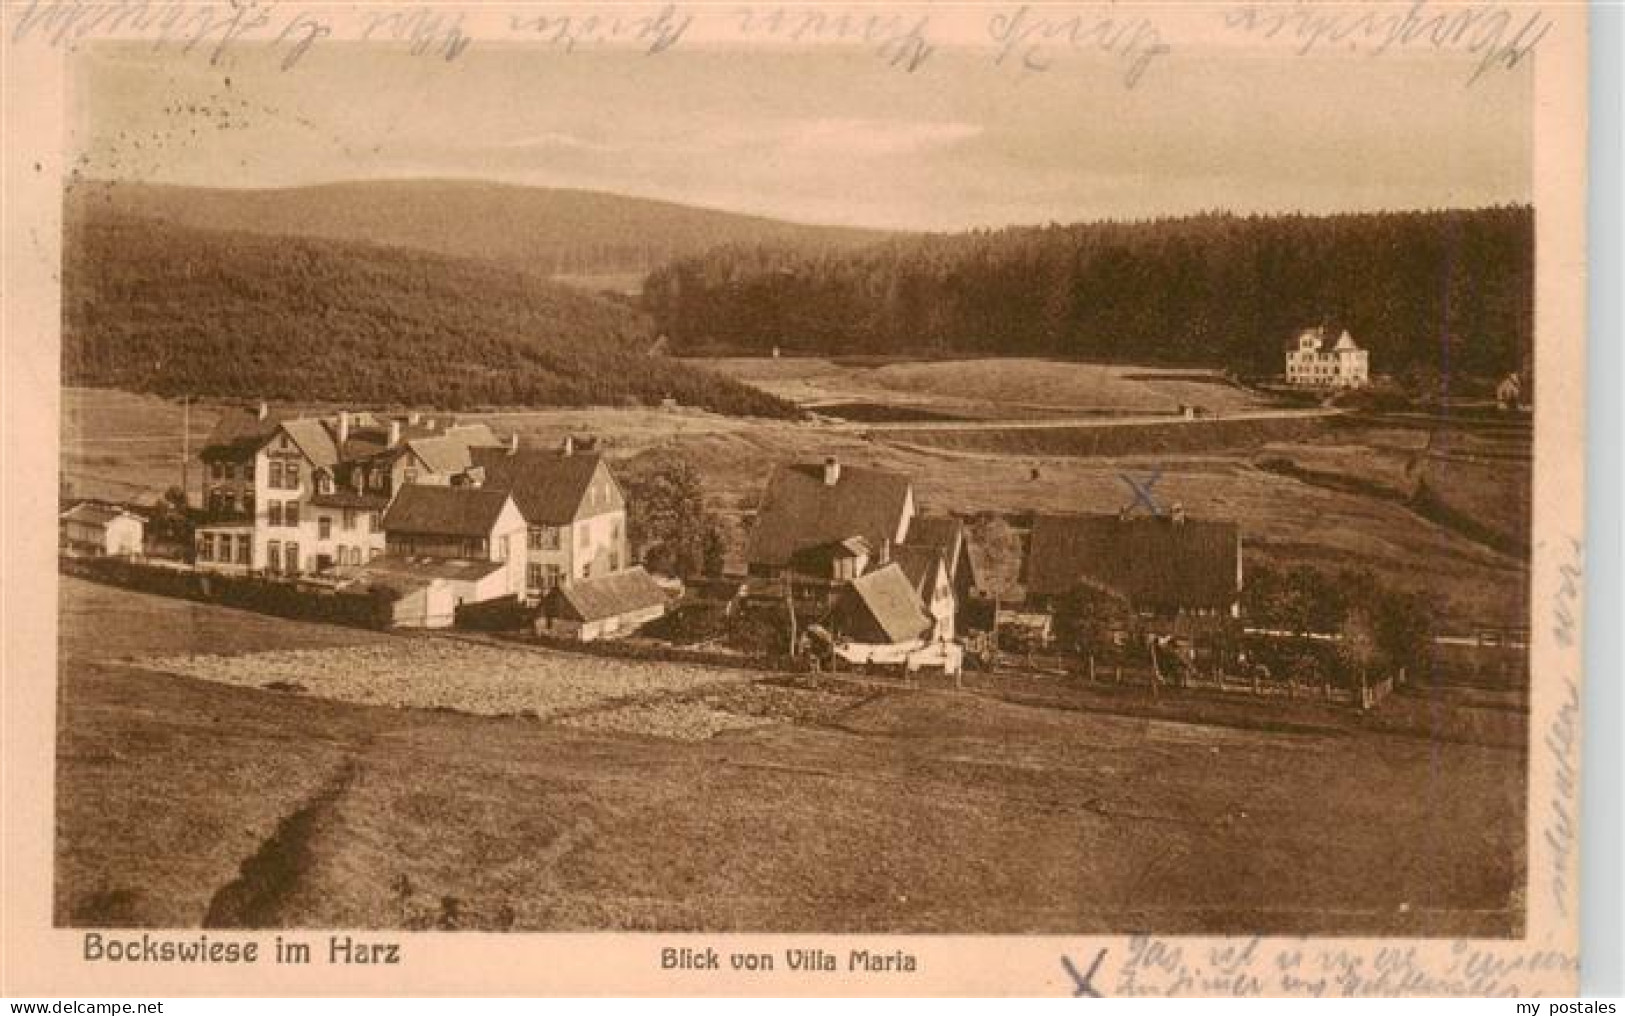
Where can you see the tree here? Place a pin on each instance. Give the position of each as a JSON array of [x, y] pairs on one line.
[[668, 525], [1357, 649], [997, 554], [1403, 624], [171, 520]]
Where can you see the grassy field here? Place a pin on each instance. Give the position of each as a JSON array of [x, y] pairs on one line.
[[184, 802], [1008, 387]]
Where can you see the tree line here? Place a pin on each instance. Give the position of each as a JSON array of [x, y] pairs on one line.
[[1445, 290], [154, 307]]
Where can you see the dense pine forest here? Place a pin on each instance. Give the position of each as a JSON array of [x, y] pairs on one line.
[[1447, 291], [542, 230], [155, 307]]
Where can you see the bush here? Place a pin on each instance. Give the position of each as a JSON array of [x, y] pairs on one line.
[[505, 613]]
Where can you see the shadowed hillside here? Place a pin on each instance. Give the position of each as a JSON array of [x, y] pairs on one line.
[[156, 307], [542, 230]]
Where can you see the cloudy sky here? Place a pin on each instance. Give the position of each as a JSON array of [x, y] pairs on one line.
[[828, 135]]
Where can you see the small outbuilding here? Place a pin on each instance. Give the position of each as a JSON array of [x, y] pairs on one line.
[[605, 607], [100, 530]]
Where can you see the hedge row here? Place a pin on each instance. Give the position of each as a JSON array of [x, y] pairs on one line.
[[371, 609], [505, 613]]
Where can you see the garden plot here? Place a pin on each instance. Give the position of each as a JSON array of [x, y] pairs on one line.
[[425, 673], [715, 709]]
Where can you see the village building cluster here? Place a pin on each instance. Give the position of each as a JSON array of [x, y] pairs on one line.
[[445, 514]]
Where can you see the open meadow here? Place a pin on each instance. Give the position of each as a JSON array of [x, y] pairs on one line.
[[1007, 387], [855, 806]]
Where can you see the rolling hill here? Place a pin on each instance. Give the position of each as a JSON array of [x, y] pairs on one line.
[[1430, 293], [541, 230], [157, 307]]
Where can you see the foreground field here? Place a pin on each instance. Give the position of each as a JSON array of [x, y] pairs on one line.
[[185, 802]]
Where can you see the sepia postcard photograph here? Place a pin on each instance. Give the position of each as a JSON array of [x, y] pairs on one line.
[[754, 493]]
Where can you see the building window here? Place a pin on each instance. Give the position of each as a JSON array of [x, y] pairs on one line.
[[290, 513], [349, 519], [372, 522], [229, 502], [245, 549], [205, 547], [273, 554], [290, 475], [411, 475], [324, 527], [276, 474], [216, 470], [324, 482], [273, 513], [377, 479], [292, 557], [614, 560], [373, 552]]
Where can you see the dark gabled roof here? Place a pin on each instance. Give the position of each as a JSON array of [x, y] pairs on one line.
[[799, 510], [921, 565], [449, 451], [883, 607], [440, 455], [238, 433], [1153, 562], [95, 514], [607, 596], [941, 531], [948, 535], [314, 439], [548, 486], [448, 511]]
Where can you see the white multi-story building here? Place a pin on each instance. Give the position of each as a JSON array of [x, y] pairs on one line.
[[1311, 365], [309, 495], [306, 495]]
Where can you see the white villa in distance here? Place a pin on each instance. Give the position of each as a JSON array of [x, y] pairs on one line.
[[1311, 365]]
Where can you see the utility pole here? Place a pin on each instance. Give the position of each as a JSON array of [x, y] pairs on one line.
[[790, 605], [186, 447]]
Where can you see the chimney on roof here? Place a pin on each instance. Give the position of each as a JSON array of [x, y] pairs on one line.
[[513, 443], [394, 433], [569, 446], [264, 410], [885, 551], [832, 471], [344, 427], [412, 418]]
